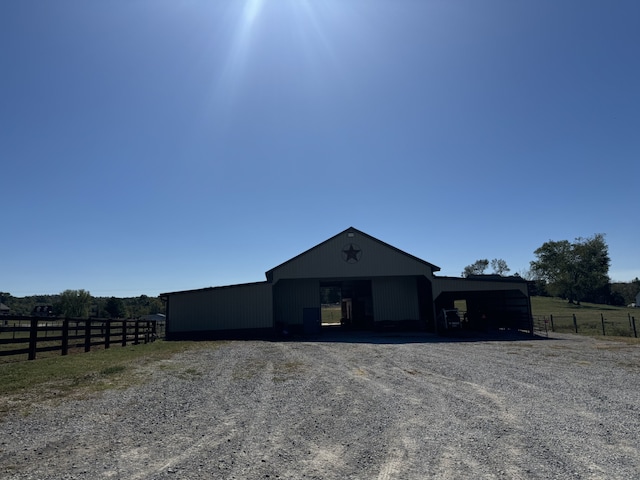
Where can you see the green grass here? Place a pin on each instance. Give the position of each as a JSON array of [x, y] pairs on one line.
[[588, 316], [84, 374], [331, 314]]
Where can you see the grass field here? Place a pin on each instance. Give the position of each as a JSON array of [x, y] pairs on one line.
[[617, 320], [84, 374], [588, 316], [331, 314]]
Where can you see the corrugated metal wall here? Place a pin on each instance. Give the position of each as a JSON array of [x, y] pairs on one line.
[[291, 297], [248, 306], [395, 299]]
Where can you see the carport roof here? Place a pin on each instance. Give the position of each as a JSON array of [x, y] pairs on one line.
[[434, 268], [490, 278]]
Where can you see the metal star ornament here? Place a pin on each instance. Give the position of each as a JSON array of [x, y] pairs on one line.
[[351, 253]]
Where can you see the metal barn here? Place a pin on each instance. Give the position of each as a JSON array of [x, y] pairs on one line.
[[379, 286]]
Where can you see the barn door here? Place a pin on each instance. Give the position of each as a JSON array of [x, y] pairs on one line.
[[311, 320]]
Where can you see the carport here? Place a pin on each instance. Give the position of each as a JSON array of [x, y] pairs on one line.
[[492, 302]]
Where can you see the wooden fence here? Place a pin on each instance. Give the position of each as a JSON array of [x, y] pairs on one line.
[[20, 335]]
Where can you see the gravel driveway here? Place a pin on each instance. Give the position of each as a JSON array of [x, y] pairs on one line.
[[373, 406]]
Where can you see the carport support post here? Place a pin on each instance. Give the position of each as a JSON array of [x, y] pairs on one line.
[[575, 323]]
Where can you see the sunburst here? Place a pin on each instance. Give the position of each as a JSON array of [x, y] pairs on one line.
[[234, 63], [308, 23]]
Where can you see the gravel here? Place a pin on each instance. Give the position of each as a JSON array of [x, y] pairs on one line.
[[369, 406]]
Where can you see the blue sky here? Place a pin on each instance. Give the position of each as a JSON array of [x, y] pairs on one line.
[[155, 146]]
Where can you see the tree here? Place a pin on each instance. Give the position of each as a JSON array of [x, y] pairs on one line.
[[627, 291], [74, 303], [576, 271], [537, 285], [499, 266], [476, 268], [142, 305], [115, 308], [329, 295]]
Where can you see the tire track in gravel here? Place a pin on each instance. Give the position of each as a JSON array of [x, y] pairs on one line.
[[197, 423], [244, 427], [363, 375], [186, 432], [485, 435], [438, 394], [385, 408]]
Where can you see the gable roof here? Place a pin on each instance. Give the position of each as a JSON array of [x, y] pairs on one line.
[[351, 231]]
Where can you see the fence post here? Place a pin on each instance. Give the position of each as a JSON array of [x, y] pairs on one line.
[[33, 338], [635, 333], [551, 318], [124, 333], [136, 331], [602, 319], [65, 336], [87, 335], [107, 334], [575, 323]]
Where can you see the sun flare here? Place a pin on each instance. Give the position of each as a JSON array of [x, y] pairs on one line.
[[253, 22]]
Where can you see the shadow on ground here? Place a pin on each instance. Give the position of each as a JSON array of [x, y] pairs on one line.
[[337, 335]]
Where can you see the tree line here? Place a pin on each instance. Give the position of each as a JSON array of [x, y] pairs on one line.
[[577, 271], [81, 304]]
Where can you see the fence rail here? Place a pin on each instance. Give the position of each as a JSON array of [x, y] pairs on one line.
[[26, 335], [598, 324]]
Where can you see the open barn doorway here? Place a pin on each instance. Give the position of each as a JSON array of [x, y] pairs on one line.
[[330, 305], [347, 304]]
